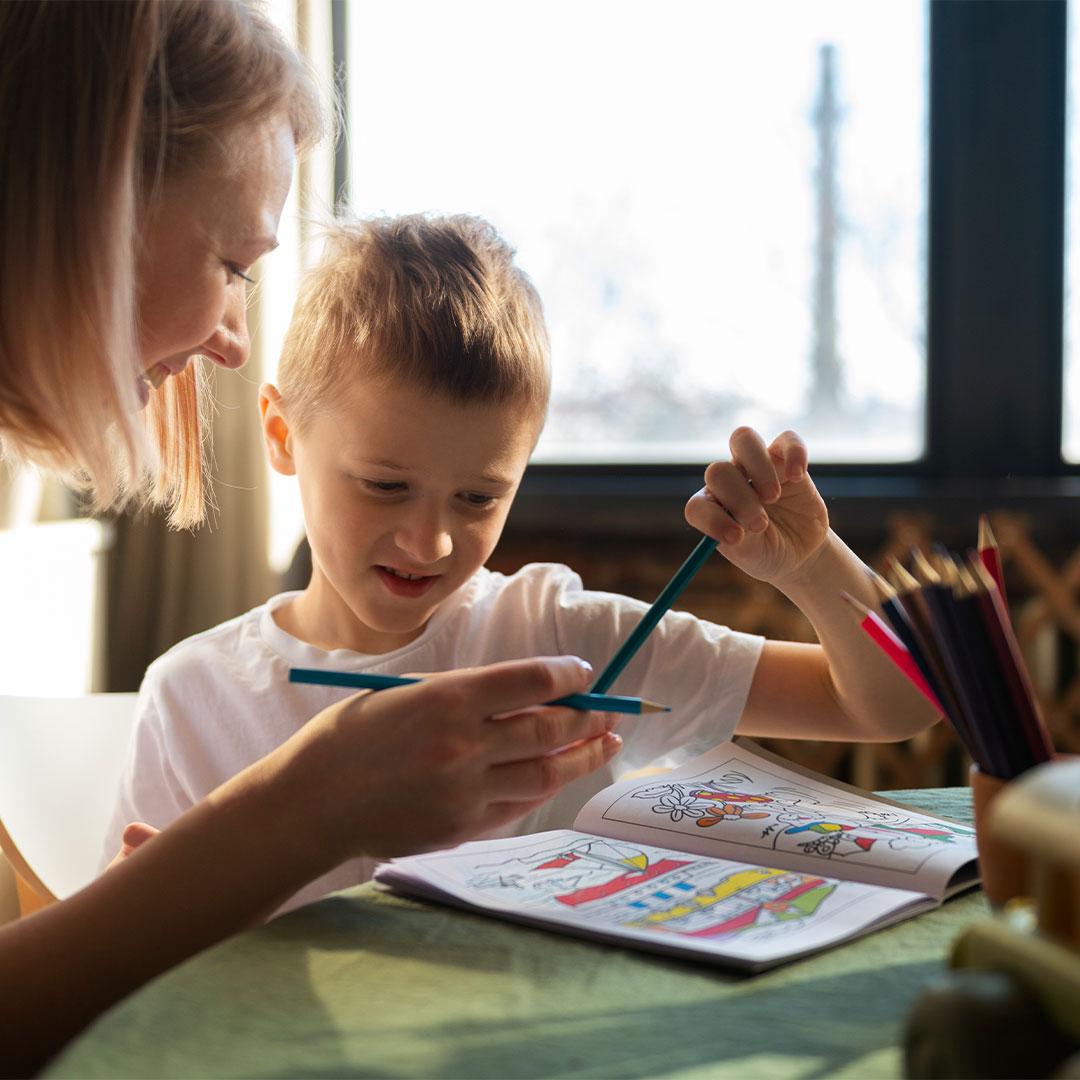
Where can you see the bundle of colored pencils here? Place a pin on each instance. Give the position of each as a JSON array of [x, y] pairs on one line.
[[946, 626]]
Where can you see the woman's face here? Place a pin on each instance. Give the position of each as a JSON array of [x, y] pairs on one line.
[[198, 240]]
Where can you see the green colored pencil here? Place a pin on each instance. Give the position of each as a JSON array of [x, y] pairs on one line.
[[611, 703], [697, 559]]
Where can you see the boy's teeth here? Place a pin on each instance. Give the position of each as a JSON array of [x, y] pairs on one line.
[[402, 574]]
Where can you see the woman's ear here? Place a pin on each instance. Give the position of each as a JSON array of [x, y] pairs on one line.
[[276, 433]]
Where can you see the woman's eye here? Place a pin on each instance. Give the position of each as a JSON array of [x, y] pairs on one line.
[[474, 498], [236, 272]]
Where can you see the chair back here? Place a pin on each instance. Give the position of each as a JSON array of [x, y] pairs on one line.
[[61, 760]]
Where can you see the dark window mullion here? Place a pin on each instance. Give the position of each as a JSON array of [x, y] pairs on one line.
[[997, 154]]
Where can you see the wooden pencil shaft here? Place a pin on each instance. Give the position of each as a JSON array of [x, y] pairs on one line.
[[924, 571], [671, 592], [904, 580]]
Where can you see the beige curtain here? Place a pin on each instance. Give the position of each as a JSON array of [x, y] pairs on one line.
[[165, 585]]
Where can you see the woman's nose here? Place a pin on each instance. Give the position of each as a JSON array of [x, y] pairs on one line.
[[229, 345]]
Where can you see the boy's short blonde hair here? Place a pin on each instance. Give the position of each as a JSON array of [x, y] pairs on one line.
[[436, 301]]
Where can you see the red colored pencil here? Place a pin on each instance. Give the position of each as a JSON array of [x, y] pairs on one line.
[[886, 639], [990, 556]]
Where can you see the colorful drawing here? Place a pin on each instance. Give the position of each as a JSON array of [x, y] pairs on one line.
[[767, 811], [747, 899], [585, 870], [662, 891]]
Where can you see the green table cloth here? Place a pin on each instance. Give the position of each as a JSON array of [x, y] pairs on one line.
[[368, 984]]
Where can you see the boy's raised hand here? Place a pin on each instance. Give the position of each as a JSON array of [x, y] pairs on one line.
[[762, 506]]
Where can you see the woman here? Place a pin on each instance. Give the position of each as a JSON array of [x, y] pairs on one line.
[[147, 151]]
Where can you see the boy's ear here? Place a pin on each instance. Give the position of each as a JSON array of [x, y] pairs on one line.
[[276, 433]]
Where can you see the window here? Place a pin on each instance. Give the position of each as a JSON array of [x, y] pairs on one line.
[[1071, 418], [722, 205]]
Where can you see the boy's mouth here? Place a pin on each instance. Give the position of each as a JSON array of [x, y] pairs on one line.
[[402, 583]]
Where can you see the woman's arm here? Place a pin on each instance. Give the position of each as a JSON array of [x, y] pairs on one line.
[[459, 742]]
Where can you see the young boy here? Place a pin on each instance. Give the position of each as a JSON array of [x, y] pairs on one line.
[[413, 386]]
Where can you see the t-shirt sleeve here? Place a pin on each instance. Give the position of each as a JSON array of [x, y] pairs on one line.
[[149, 791], [701, 669]]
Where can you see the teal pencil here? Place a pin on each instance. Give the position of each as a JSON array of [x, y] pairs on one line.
[[599, 702], [698, 557]]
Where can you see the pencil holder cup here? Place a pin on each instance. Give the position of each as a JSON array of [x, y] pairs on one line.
[[1004, 868]]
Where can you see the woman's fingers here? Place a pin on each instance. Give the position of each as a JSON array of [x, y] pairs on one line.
[[537, 780], [539, 732], [507, 687]]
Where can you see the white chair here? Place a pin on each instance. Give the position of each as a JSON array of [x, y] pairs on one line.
[[61, 760]]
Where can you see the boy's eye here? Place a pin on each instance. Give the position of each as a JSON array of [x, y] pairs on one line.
[[474, 498], [384, 487]]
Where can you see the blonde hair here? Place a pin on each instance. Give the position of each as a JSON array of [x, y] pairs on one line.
[[435, 301], [100, 103]]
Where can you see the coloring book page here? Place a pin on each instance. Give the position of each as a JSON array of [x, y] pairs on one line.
[[741, 803], [659, 896]]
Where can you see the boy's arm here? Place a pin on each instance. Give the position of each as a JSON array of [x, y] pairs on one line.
[[770, 521], [472, 743]]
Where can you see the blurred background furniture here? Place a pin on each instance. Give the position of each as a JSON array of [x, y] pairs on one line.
[[60, 765]]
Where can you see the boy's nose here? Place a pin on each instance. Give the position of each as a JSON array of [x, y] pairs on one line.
[[425, 542]]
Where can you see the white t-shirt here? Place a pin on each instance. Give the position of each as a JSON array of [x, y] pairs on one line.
[[221, 700]]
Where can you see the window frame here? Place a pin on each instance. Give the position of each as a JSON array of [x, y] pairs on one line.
[[995, 290]]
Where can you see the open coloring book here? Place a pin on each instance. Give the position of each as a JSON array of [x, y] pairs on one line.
[[738, 857]]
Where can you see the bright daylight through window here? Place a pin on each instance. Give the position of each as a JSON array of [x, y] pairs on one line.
[[722, 205]]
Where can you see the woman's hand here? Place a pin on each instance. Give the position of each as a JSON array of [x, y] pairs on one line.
[[444, 760], [762, 506]]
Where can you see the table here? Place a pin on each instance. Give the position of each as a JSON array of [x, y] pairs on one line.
[[367, 984]]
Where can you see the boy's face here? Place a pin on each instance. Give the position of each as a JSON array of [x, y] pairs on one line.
[[405, 494]]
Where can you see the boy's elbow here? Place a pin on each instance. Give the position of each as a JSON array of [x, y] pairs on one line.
[[904, 725]]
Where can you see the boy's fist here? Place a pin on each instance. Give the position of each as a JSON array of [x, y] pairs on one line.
[[762, 506]]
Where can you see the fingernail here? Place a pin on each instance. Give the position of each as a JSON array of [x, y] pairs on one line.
[[731, 536], [760, 523], [797, 474], [584, 665], [612, 743]]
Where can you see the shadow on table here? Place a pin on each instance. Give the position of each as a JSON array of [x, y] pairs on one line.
[[575, 1010], [366, 985]]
